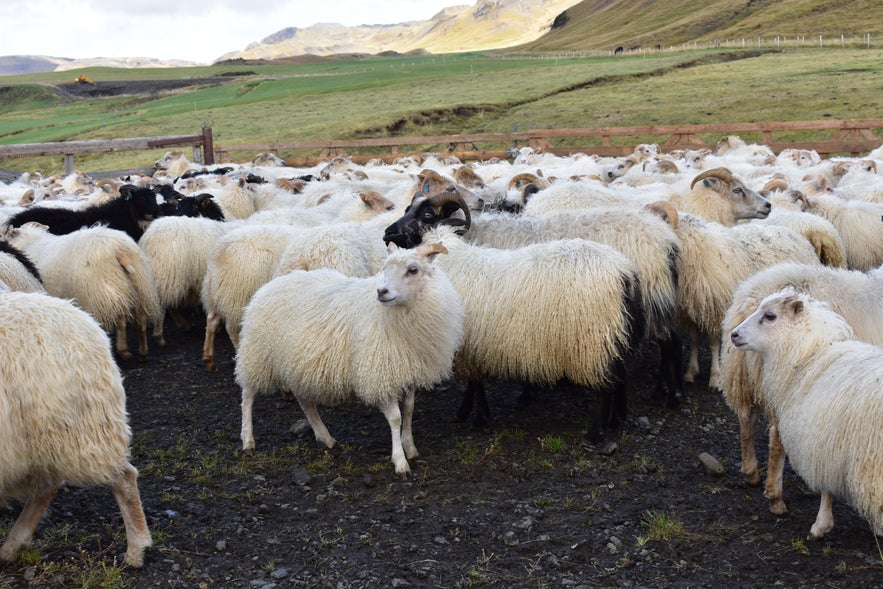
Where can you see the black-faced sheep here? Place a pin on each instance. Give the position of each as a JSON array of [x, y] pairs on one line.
[[130, 213], [62, 415], [328, 338], [826, 389]]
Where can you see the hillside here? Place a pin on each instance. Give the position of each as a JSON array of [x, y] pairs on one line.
[[604, 24]]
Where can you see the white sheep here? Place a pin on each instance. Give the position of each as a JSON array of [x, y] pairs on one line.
[[62, 415], [642, 235], [103, 269], [178, 249], [563, 309], [328, 338], [857, 296], [17, 271], [717, 195], [859, 223], [826, 390]]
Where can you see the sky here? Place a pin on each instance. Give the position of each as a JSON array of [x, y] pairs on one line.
[[192, 30]]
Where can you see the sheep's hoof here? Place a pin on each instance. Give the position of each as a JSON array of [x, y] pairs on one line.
[[752, 479], [210, 365], [778, 507]]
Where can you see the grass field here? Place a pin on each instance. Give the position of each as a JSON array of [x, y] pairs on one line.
[[425, 95]]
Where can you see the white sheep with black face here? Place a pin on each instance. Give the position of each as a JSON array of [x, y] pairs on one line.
[[328, 338], [826, 389]]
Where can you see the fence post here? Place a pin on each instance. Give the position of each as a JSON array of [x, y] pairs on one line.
[[208, 145], [68, 163]]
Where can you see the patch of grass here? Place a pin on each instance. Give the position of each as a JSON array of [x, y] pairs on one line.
[[553, 444], [665, 527], [799, 545]]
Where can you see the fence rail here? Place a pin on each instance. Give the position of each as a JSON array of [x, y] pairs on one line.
[[854, 137]]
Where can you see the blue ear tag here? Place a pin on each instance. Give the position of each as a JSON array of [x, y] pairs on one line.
[[127, 197], [426, 188]]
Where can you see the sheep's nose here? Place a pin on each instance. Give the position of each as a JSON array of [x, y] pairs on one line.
[[382, 292], [734, 336]]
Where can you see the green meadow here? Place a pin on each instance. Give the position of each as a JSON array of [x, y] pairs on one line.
[[443, 94]]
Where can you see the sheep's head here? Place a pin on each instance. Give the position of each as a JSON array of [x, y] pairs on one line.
[[744, 203], [429, 181], [423, 215], [404, 271], [787, 321]]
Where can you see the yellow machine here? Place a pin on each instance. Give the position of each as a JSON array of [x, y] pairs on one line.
[[83, 79]]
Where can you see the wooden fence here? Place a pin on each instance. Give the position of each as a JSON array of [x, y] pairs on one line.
[[854, 137]]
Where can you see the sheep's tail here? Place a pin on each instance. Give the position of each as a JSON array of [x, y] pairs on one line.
[[143, 286]]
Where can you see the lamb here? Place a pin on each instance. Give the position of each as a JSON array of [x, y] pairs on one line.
[[130, 213], [381, 337], [102, 269], [582, 299], [856, 296], [63, 415], [826, 390]]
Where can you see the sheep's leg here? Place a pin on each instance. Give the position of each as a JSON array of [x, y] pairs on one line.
[[158, 326], [319, 430], [27, 521], [693, 361], [233, 333], [670, 377], [714, 377], [142, 339], [246, 434], [747, 428], [122, 346], [179, 319], [394, 417], [474, 395], [407, 419], [125, 491], [825, 518], [212, 323], [775, 469]]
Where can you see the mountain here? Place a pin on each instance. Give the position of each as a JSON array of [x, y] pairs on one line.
[[489, 24], [11, 65]]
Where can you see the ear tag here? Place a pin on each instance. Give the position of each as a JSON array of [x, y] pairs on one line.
[[426, 188]]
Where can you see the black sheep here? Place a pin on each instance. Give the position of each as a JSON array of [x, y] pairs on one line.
[[177, 204], [131, 213]]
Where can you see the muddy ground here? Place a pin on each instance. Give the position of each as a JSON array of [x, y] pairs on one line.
[[521, 503]]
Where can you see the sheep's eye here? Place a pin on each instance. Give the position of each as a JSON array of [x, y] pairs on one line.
[[428, 215], [413, 269], [769, 316], [737, 190]]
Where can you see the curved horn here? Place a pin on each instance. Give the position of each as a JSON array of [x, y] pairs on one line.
[[441, 199], [722, 173], [665, 210]]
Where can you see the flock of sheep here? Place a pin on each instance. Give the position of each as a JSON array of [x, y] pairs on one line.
[[347, 282]]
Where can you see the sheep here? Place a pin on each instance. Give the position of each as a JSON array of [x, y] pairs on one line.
[[716, 259], [130, 213], [175, 163], [102, 269], [578, 301], [177, 249], [353, 249], [640, 234], [17, 271], [855, 295], [63, 416], [826, 390], [717, 195], [860, 225], [329, 338]]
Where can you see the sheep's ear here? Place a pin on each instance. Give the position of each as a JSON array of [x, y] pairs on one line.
[[796, 306], [431, 250], [392, 247], [36, 225]]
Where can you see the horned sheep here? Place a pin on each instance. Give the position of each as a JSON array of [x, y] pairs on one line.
[[63, 415], [826, 390], [857, 296], [328, 338]]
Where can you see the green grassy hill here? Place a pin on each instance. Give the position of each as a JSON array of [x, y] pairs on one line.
[[605, 24]]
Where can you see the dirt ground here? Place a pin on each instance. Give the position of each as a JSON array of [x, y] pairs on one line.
[[521, 503]]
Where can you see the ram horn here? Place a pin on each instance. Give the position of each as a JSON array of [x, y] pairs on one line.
[[722, 173], [442, 199]]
